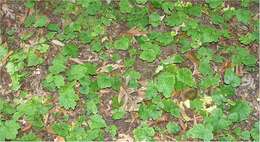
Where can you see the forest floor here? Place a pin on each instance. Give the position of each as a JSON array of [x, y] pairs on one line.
[[129, 70]]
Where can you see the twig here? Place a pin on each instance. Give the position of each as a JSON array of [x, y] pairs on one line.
[[3, 62], [26, 128], [169, 137], [76, 60]]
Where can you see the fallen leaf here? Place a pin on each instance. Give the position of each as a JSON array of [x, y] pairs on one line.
[[135, 32], [76, 60], [183, 113], [4, 60], [130, 99], [124, 138], [105, 68], [56, 42], [224, 66], [239, 70], [195, 63], [59, 139], [27, 127]]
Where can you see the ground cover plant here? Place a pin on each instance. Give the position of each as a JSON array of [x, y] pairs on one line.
[[136, 70]]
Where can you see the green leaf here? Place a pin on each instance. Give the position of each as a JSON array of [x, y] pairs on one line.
[[144, 133], [245, 3], [122, 43], [52, 82], [33, 111], [90, 68], [185, 45], [148, 55], [195, 10], [217, 19], [58, 80], [217, 120], [173, 127], [116, 83], [113, 130], [96, 121], [164, 38], [175, 59], [231, 78], [228, 14], [255, 131], [16, 77], [29, 3], [165, 83], [118, 113], [58, 64], [141, 1], [6, 107], [76, 72], [9, 130], [103, 81], [79, 134], [150, 111], [155, 19], [240, 111], [209, 34], [201, 132], [42, 48], [171, 107], [214, 3], [91, 107], [227, 90], [209, 81], [197, 105], [41, 22], [205, 68], [67, 96], [61, 129], [116, 103], [33, 59], [205, 54], [29, 21], [70, 50], [85, 37], [96, 46], [176, 19], [3, 51], [242, 56], [151, 91], [167, 7], [125, 6], [138, 18], [243, 16], [29, 137], [245, 135], [94, 7], [247, 39], [53, 27], [184, 75], [132, 76]]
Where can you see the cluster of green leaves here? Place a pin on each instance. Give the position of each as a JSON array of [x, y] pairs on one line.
[[96, 126], [21, 59], [30, 110], [15, 67]]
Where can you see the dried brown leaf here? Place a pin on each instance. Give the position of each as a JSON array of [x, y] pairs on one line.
[[135, 32], [59, 139], [124, 138]]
